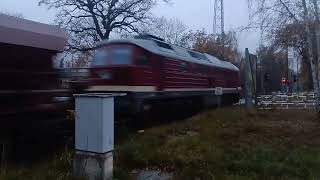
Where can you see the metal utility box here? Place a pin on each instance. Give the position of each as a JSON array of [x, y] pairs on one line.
[[94, 124]]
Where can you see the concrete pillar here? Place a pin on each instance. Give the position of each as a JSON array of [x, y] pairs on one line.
[[94, 166], [248, 86]]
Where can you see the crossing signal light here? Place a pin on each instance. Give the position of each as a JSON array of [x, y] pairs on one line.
[[284, 81]]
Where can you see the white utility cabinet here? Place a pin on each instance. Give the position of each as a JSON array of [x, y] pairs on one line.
[[94, 122]]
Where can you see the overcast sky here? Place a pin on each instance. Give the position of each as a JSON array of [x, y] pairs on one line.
[[196, 14]]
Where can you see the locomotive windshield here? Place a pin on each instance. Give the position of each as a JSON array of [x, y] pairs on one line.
[[112, 56], [120, 56], [100, 57]]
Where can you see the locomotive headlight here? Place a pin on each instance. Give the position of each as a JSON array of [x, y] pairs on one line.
[[104, 74]]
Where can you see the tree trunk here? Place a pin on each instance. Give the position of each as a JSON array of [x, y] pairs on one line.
[[317, 28], [310, 46]]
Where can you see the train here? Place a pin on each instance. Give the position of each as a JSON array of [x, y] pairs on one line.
[[29, 83], [149, 70], [153, 72]]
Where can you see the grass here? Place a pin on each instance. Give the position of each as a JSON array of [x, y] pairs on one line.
[[228, 144], [57, 168], [219, 144]]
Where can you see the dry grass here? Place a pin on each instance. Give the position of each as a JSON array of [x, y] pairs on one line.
[[290, 129], [229, 144], [219, 144], [57, 168]]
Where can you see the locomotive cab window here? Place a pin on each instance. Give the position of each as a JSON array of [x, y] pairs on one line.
[[112, 56], [100, 57], [120, 56]]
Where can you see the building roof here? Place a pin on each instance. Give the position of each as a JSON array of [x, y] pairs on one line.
[[23, 32], [172, 51]]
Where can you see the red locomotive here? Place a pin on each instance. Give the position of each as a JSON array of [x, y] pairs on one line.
[[151, 71]]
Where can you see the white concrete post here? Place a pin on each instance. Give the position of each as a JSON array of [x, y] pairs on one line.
[[248, 88], [219, 93], [94, 136]]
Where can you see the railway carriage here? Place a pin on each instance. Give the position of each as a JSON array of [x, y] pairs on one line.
[[28, 82], [152, 72]]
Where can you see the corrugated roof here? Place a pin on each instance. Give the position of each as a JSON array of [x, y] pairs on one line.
[[23, 32]]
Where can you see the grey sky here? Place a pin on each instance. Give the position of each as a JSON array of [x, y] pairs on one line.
[[196, 14]]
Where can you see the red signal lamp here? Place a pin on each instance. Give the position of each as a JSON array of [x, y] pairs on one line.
[[285, 81]]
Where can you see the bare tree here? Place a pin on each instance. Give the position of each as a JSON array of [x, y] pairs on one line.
[[310, 44], [90, 21], [173, 30], [273, 14], [283, 23], [294, 36], [301, 12]]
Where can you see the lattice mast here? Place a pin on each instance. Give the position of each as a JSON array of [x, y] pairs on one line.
[[218, 24], [218, 20]]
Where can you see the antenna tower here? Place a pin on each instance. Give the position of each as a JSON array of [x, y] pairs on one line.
[[218, 20]]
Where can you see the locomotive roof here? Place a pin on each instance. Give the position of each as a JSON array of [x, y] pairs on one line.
[[168, 50], [23, 32]]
